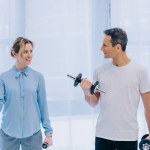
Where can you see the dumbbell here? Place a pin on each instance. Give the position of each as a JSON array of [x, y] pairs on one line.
[[145, 143], [45, 145], [78, 80]]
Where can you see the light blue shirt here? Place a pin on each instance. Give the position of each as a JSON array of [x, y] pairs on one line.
[[23, 95]]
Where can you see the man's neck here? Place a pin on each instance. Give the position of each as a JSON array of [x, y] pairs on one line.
[[121, 60]]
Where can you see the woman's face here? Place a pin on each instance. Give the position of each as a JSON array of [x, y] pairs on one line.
[[24, 56]]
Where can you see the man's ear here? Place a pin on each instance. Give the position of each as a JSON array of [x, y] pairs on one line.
[[118, 47]]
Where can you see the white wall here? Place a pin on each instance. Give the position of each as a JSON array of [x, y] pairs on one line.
[[67, 36], [134, 17]]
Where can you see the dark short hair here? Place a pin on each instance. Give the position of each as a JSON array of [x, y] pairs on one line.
[[118, 36], [18, 44]]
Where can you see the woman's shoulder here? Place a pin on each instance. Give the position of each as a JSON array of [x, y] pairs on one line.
[[35, 72], [6, 73]]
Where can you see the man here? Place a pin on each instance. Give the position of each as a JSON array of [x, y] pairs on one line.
[[124, 82]]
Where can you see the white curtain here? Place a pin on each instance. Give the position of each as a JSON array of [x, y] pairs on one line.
[[67, 35]]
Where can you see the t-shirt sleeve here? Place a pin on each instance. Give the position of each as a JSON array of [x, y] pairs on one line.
[[144, 81], [95, 78]]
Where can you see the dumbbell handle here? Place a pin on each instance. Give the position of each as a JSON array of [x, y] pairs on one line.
[[95, 86], [71, 77]]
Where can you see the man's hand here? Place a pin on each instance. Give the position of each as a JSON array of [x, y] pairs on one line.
[[86, 86]]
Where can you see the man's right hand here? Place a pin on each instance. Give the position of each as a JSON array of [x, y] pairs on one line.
[[86, 86]]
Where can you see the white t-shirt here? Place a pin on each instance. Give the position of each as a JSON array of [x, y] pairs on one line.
[[118, 106]]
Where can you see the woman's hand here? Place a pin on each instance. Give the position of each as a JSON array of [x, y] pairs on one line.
[[48, 140]]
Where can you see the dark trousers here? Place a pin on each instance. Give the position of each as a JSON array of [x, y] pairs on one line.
[[104, 144]]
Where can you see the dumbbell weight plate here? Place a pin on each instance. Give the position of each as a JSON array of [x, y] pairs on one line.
[[144, 144], [45, 145], [92, 90], [78, 79], [144, 136]]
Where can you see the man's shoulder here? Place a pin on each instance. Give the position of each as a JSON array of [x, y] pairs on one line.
[[104, 65], [138, 66]]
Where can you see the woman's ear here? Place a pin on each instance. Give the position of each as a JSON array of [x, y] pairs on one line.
[[13, 53]]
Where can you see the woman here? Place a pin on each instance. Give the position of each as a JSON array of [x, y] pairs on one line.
[[23, 95]]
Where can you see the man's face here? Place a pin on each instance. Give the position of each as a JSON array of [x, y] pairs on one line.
[[107, 48]]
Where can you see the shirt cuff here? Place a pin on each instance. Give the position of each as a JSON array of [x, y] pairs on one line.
[[48, 134], [1, 106]]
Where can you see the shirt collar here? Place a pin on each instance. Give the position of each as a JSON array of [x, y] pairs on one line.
[[19, 72]]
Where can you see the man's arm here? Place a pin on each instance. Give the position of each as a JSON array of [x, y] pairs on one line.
[[91, 99], [146, 102]]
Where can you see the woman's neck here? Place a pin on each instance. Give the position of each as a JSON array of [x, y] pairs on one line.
[[19, 67]]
